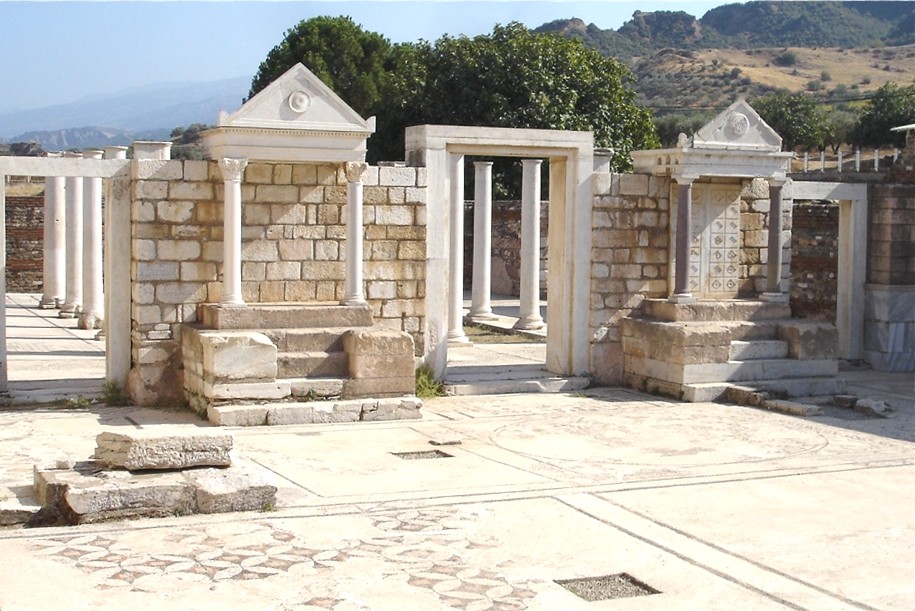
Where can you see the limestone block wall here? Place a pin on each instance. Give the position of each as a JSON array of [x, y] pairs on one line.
[[889, 305], [629, 259], [814, 260], [754, 236], [24, 243], [293, 250]]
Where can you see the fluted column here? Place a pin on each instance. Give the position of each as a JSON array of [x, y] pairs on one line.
[[529, 314], [681, 292], [354, 293], [481, 301], [92, 314], [232, 172], [74, 239], [55, 244], [456, 260], [774, 261]]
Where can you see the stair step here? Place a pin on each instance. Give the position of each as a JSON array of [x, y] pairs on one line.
[[528, 385], [763, 369], [804, 387], [314, 412], [285, 316], [328, 339], [317, 387], [312, 364], [758, 350], [716, 310]]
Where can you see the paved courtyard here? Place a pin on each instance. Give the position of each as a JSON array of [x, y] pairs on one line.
[[712, 506]]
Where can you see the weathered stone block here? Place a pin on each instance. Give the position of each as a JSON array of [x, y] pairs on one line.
[[809, 340], [406, 409], [237, 415], [238, 488], [633, 184], [164, 447], [238, 355]]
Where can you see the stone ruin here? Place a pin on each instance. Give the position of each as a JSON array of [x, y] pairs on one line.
[[164, 471]]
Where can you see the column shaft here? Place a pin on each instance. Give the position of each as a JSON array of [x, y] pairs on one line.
[[681, 292], [774, 263], [529, 314], [92, 314], [481, 300], [55, 241], [456, 259], [354, 293], [74, 233], [232, 171]]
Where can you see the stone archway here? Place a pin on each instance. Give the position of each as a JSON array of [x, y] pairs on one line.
[[571, 156]]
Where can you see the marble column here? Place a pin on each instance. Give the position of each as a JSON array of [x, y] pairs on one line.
[[353, 291], [74, 238], [456, 260], [232, 171], [529, 317], [55, 244], [92, 313], [481, 299], [684, 238], [774, 263]]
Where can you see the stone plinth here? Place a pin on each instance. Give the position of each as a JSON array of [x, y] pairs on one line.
[[164, 449]]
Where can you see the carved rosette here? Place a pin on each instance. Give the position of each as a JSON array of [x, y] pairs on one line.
[[354, 170], [232, 169]]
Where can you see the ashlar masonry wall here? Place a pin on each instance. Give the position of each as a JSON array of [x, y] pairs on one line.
[[293, 250]]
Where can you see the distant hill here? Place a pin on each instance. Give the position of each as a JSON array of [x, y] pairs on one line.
[[159, 107], [752, 25], [88, 137]]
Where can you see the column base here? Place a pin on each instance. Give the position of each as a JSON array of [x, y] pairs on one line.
[[233, 304], [69, 311], [353, 301], [458, 340], [88, 320], [529, 323], [681, 298], [774, 297], [481, 316], [49, 303]]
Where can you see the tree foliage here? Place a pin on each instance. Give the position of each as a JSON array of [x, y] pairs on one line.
[[349, 60], [890, 107], [795, 116]]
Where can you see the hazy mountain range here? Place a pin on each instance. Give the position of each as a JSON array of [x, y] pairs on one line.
[[149, 112]]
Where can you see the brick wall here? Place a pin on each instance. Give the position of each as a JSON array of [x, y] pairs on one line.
[[293, 247], [814, 260], [629, 254], [24, 244]]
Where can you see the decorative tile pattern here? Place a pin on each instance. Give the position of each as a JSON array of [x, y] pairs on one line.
[[715, 248]]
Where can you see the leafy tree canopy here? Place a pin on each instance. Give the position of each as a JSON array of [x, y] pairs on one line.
[[349, 60], [795, 116], [890, 107]]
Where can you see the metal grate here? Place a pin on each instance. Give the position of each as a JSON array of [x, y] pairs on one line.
[[421, 455], [607, 587]]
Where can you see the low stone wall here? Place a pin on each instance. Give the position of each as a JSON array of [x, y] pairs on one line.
[[629, 260], [293, 250], [814, 260], [24, 244], [754, 236]]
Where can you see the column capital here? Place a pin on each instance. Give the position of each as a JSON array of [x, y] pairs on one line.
[[232, 168], [685, 180], [92, 154], [482, 164], [354, 170], [777, 181], [530, 162]]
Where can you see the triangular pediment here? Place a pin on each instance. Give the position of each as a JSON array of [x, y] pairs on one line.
[[737, 127], [298, 100]]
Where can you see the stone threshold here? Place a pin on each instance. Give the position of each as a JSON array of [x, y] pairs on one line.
[[316, 412]]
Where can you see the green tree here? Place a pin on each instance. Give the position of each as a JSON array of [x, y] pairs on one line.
[[349, 60], [890, 107], [514, 78], [795, 116], [838, 128]]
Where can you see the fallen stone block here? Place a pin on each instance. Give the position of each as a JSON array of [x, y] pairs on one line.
[[873, 407], [238, 488], [846, 401], [99, 499], [793, 408], [406, 409], [164, 448]]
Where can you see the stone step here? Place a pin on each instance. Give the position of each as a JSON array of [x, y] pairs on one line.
[[312, 364], [757, 392], [285, 316], [317, 388], [803, 387], [764, 369], [716, 310], [316, 412], [328, 339], [19, 509], [758, 350], [505, 387]]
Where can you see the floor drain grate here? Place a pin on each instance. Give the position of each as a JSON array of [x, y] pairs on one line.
[[607, 587], [421, 455]]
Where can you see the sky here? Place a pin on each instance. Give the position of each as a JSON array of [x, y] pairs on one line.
[[60, 52]]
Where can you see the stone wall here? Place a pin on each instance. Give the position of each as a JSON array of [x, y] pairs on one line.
[[754, 240], [889, 307], [814, 260], [629, 254], [506, 247], [24, 244], [293, 248]]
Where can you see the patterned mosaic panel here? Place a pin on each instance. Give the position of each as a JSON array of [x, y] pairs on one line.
[[715, 247]]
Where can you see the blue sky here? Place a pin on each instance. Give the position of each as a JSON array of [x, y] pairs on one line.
[[58, 52]]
